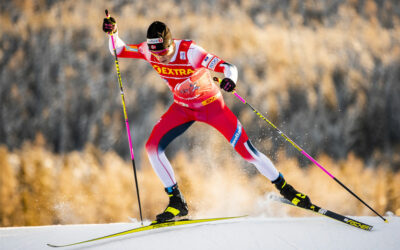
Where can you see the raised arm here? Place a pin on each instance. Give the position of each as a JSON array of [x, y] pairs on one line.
[[123, 50]]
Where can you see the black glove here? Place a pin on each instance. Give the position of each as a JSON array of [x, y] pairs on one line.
[[227, 84], [109, 25]]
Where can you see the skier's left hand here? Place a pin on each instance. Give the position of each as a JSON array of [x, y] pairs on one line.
[[227, 84]]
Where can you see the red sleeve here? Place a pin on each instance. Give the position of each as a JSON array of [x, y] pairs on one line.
[[134, 51], [213, 63], [219, 67]]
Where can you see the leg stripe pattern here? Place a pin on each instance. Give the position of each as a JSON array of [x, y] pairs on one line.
[[236, 135]]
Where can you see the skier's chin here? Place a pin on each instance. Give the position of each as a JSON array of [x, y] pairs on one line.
[[164, 61]]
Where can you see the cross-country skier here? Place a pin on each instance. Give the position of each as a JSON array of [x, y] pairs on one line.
[[184, 66]]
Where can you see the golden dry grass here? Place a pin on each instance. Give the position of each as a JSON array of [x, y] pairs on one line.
[[40, 188]]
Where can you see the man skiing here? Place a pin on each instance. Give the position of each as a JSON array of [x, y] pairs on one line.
[[184, 66]]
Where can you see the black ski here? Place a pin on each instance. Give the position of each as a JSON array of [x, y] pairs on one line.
[[321, 211]]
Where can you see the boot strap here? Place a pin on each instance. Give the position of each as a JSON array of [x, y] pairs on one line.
[[172, 210]]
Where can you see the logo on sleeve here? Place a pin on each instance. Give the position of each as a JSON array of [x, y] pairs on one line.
[[214, 63], [206, 60], [132, 48]]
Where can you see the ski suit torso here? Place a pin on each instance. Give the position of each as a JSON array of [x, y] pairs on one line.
[[189, 81], [196, 98]]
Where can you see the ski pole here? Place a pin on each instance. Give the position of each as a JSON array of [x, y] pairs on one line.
[[126, 121], [299, 148]]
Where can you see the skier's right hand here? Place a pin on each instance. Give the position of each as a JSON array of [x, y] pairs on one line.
[[109, 25]]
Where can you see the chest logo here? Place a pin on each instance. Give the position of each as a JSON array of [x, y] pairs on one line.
[[173, 72]]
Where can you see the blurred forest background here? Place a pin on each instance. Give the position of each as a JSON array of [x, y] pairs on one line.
[[325, 72]]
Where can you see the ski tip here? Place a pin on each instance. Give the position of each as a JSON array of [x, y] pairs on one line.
[[50, 245]]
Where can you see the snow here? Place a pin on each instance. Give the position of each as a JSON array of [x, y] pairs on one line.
[[243, 233]]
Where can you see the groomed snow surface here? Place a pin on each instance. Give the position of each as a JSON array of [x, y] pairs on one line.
[[242, 233]]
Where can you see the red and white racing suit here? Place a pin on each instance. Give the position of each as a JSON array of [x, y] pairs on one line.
[[196, 98]]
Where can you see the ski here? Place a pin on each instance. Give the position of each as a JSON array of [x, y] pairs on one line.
[[321, 211], [149, 227]]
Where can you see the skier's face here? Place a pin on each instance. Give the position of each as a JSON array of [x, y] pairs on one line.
[[165, 56]]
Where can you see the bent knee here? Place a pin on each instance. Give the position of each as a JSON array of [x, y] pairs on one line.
[[150, 146]]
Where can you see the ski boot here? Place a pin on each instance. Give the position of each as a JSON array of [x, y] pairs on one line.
[[177, 206], [291, 194]]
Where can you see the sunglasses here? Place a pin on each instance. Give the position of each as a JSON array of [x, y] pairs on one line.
[[161, 52]]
